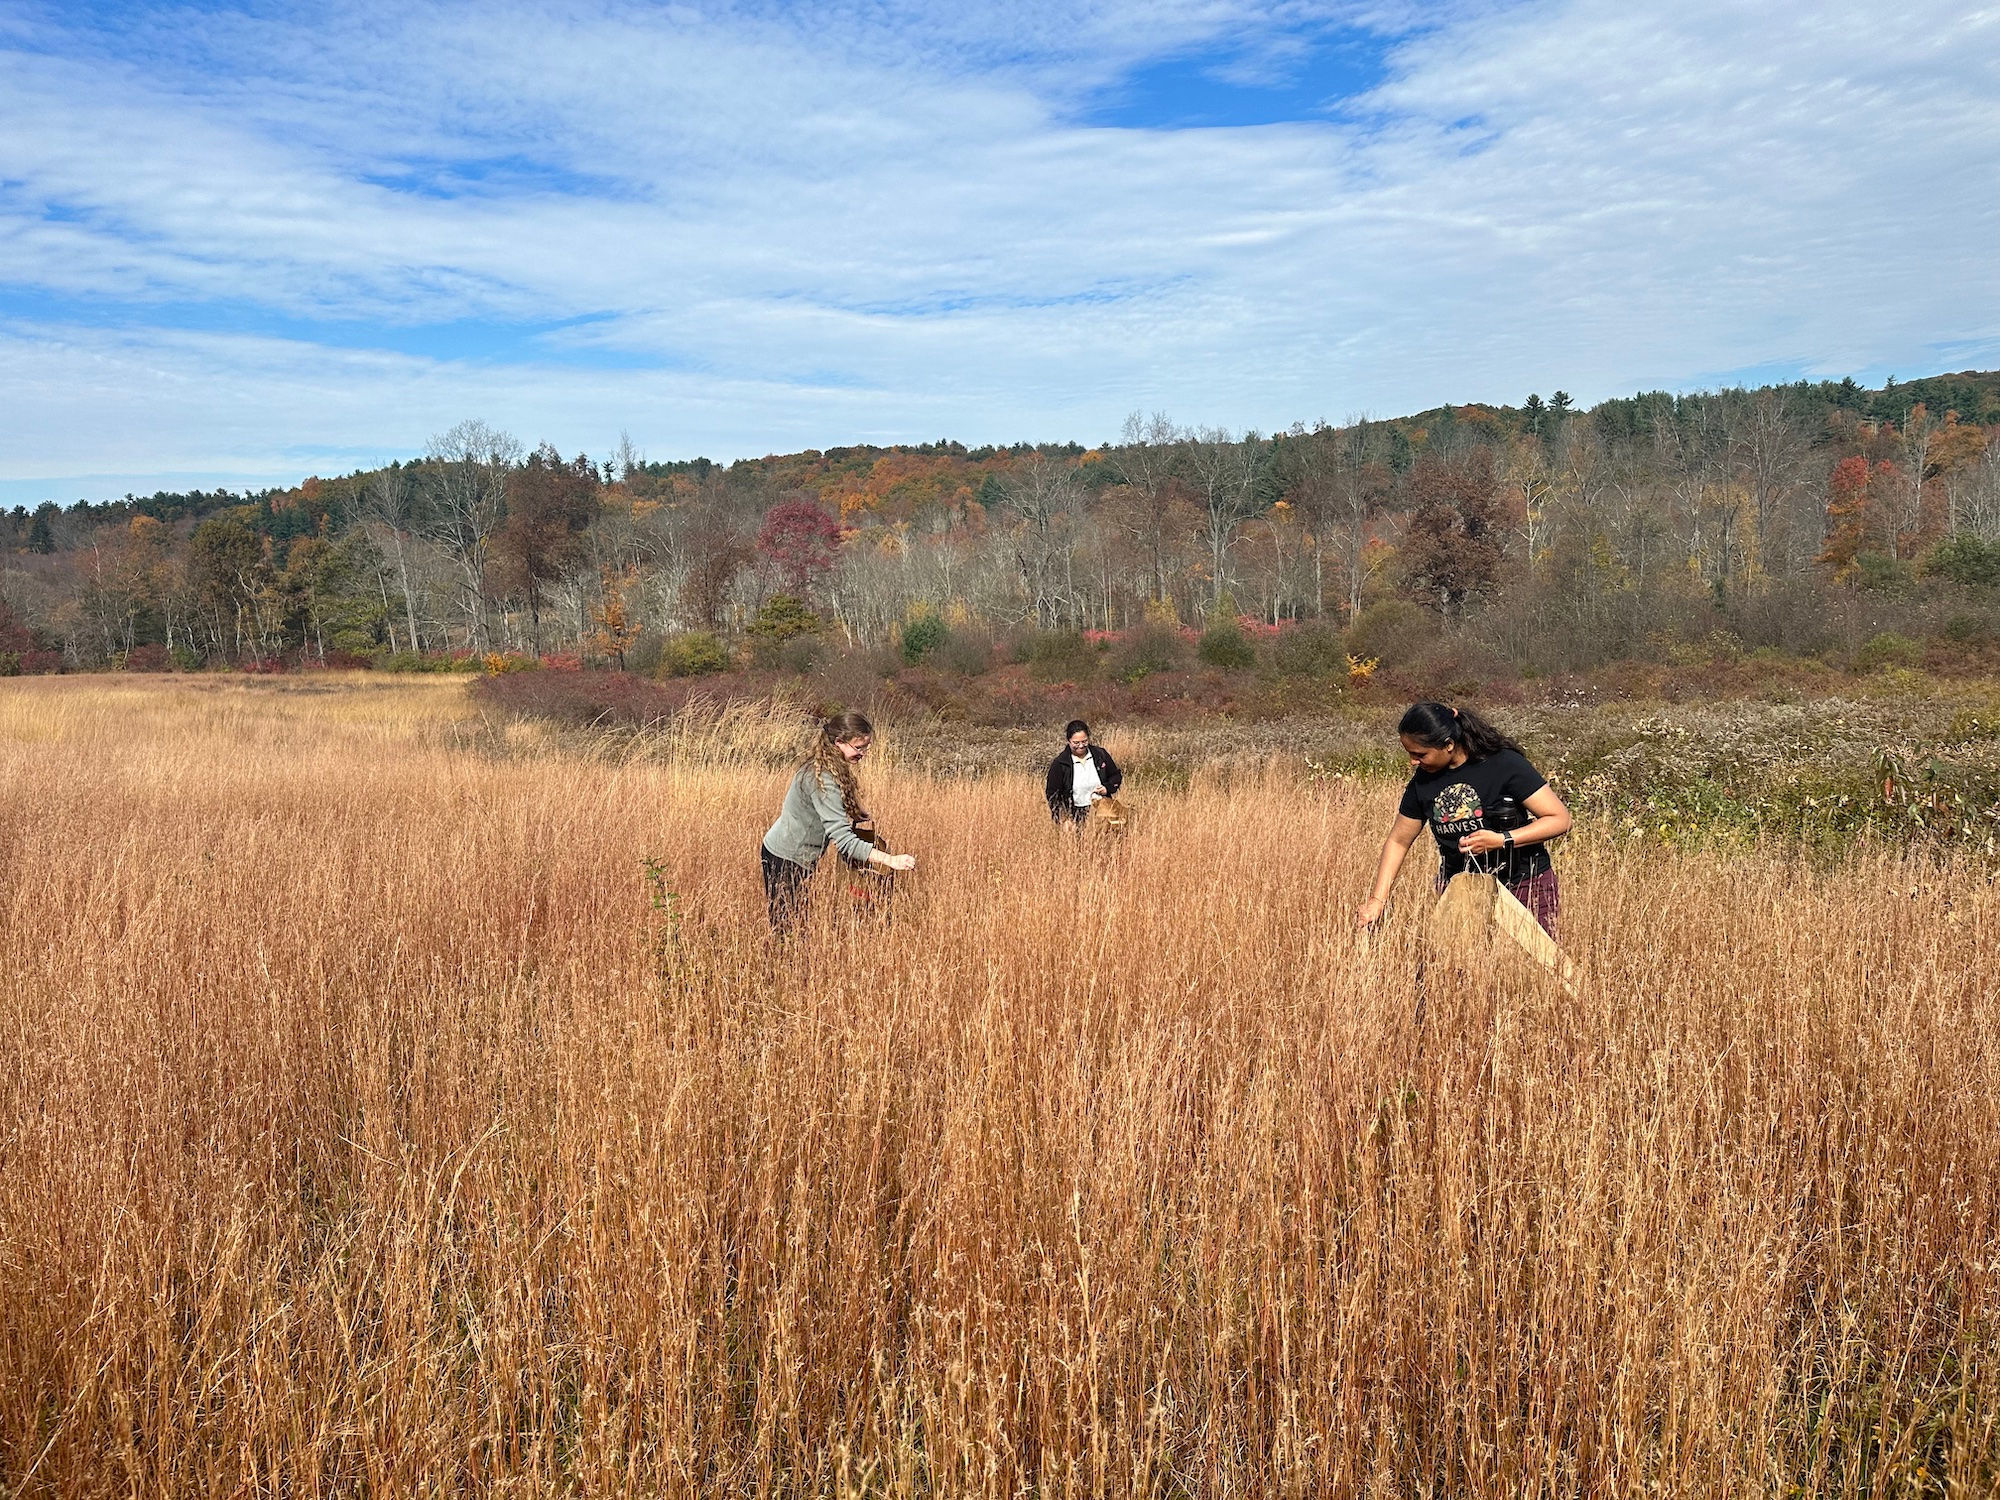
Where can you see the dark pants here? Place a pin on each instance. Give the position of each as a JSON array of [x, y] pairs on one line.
[[1069, 813], [784, 889]]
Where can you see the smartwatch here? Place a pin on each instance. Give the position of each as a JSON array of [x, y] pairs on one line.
[[1507, 839]]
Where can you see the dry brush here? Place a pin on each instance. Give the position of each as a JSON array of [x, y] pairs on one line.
[[373, 1122]]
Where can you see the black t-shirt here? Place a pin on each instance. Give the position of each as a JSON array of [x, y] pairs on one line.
[[1491, 793]]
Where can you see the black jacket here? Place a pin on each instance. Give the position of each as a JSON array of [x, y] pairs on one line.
[[1061, 788]]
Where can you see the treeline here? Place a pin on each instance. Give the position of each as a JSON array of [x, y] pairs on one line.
[[1561, 537]]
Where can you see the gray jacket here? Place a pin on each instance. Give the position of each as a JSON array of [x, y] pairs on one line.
[[813, 817]]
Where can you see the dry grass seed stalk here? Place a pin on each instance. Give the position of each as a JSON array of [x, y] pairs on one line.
[[361, 1131]]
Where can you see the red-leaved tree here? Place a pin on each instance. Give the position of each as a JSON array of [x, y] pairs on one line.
[[19, 650], [1860, 513], [801, 541]]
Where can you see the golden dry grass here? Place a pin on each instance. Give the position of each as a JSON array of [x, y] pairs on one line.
[[366, 1129]]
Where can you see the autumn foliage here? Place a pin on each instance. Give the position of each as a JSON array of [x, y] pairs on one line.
[[1554, 538], [801, 542], [616, 627]]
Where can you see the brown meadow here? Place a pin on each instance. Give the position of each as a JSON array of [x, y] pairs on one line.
[[373, 1122]]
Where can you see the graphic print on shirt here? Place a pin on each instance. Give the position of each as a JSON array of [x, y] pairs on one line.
[[1456, 813]]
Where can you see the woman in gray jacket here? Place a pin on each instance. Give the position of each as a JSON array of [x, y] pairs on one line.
[[822, 805]]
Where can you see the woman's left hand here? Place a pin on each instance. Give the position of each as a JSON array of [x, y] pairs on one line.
[[1481, 842]]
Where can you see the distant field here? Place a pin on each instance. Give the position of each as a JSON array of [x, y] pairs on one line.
[[376, 1119], [1898, 757]]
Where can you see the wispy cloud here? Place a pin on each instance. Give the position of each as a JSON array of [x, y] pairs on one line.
[[246, 241]]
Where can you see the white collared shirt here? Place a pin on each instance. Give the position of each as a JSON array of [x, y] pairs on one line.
[[1084, 779]]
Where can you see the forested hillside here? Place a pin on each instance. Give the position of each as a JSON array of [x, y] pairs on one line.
[[1557, 538]]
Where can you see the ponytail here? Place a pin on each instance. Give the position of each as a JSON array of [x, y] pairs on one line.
[[1435, 726]]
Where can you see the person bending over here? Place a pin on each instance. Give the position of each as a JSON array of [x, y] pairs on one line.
[[821, 807], [1081, 774], [1489, 810]]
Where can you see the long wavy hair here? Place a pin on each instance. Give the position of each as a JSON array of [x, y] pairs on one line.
[[829, 762], [1434, 726]]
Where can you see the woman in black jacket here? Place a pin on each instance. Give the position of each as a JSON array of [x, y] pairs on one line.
[[1079, 776]]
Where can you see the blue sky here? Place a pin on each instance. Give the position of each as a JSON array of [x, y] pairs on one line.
[[244, 242]]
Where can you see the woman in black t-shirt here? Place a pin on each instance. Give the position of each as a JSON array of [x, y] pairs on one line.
[[1489, 810]]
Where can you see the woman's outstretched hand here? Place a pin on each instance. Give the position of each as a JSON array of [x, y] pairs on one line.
[[1368, 913], [900, 861]]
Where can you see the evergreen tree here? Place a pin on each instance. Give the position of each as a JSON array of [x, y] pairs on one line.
[[41, 535]]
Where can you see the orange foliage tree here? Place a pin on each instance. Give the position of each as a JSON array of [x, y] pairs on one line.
[[617, 628], [1859, 513]]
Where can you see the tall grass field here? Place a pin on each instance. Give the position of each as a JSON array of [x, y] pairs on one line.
[[395, 1101]]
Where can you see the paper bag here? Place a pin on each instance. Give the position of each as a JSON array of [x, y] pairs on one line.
[[1475, 910]]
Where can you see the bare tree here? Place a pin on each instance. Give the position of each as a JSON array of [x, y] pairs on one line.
[[1273, 555], [1920, 430], [1043, 494], [1975, 495], [1771, 457], [1529, 485], [1224, 471], [1362, 487], [468, 468], [1691, 456], [1152, 512], [1579, 509], [390, 502], [1336, 481], [1642, 528]]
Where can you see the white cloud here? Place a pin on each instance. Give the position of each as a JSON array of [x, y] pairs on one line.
[[872, 221]]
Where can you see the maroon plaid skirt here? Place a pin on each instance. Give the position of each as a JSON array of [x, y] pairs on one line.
[[1539, 893]]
